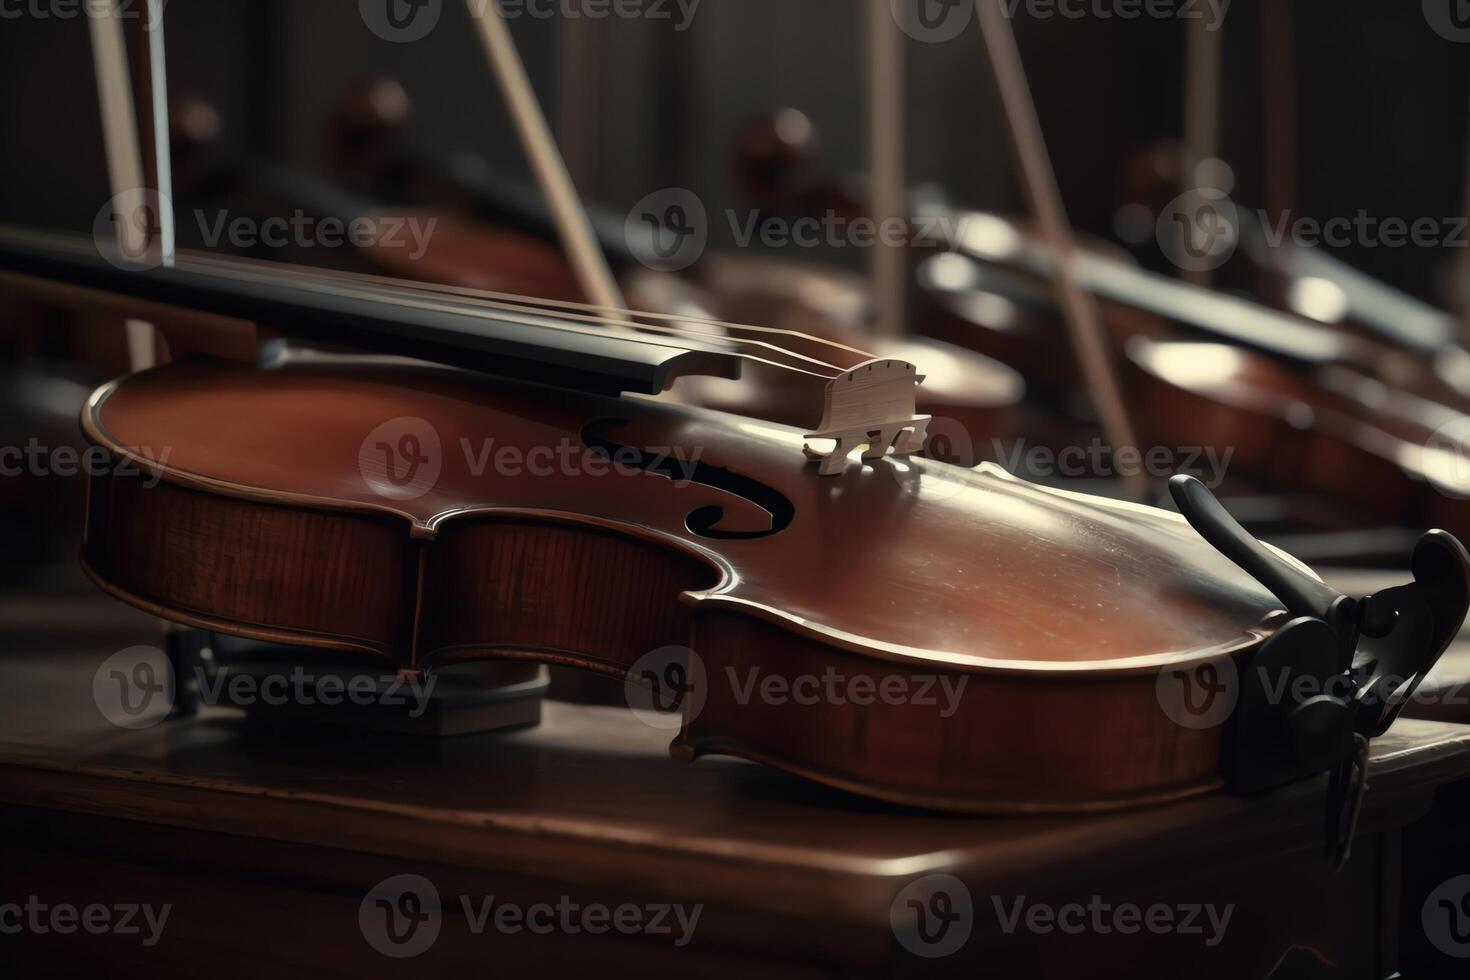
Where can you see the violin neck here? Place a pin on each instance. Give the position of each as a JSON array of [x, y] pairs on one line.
[[392, 319]]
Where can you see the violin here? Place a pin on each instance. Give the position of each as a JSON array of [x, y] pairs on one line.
[[445, 247], [1298, 403], [1282, 274], [972, 397], [993, 646]]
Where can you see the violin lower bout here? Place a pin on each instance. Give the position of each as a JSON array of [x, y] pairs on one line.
[[1001, 742]]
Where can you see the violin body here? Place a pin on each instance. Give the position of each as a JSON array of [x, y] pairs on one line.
[[385, 528], [1345, 444]]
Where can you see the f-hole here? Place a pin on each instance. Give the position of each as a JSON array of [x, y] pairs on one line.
[[701, 520]]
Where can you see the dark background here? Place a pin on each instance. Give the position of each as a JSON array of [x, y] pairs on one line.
[[1379, 108]]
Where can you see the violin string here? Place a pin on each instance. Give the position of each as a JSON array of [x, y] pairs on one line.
[[475, 306], [316, 282], [394, 291], [520, 313], [499, 299]]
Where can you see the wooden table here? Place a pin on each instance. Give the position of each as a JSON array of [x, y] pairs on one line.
[[267, 842]]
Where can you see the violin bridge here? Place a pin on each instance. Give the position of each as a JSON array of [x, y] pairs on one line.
[[872, 404]]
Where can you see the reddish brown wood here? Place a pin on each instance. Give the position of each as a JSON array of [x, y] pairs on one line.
[[243, 566], [1047, 605], [1354, 432], [504, 587], [265, 843]]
